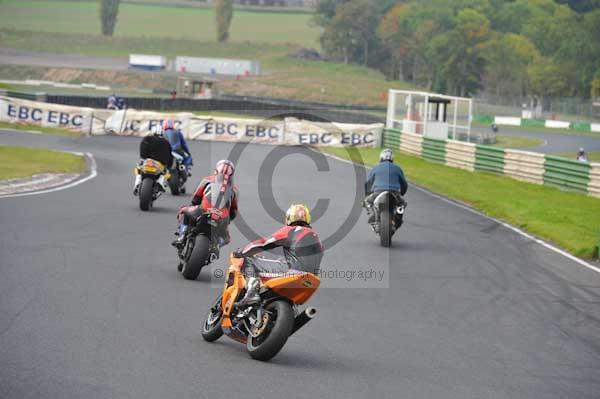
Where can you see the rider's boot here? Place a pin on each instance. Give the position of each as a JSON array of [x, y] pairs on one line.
[[251, 297], [180, 240]]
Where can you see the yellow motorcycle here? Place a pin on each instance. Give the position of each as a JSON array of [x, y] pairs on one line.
[[151, 182]]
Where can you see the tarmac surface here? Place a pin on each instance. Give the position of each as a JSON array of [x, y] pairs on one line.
[[25, 57], [553, 143], [91, 304]]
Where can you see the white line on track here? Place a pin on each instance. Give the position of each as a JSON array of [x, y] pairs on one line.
[[93, 173], [476, 212]]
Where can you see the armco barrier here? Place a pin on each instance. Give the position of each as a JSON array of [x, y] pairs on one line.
[[489, 159], [391, 139], [412, 144], [566, 173], [581, 127], [594, 184], [434, 150], [524, 166], [520, 165], [533, 122], [460, 155]]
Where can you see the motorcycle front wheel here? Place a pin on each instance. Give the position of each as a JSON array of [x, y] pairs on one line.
[[146, 192], [267, 339], [211, 329]]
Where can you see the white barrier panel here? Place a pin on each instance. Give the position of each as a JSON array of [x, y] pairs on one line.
[[289, 132], [300, 132], [507, 120], [596, 127], [140, 123], [557, 124], [14, 110]]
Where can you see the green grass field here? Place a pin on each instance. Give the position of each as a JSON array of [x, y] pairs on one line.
[[516, 142], [23, 162], [143, 20], [568, 219], [24, 127]]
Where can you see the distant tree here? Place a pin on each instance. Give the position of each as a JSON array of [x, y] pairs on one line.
[[224, 14], [458, 53], [595, 86], [546, 78], [109, 9], [351, 32], [507, 57]]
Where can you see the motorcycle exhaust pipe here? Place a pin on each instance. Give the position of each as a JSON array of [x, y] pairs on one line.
[[307, 315]]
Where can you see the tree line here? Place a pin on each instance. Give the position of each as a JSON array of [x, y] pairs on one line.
[[543, 48]]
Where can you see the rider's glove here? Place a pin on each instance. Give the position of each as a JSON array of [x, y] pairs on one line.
[[237, 253]]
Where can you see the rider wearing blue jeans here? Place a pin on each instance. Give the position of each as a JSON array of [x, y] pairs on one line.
[[178, 144]]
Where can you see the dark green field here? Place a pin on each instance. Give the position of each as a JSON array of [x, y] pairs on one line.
[[143, 20]]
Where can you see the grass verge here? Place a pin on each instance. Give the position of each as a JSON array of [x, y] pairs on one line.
[[593, 156], [25, 127], [24, 162], [570, 220], [516, 142]]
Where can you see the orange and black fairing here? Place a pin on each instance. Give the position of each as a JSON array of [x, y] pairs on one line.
[[298, 288], [234, 284]]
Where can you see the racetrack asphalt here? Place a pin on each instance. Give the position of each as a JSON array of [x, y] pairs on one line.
[[553, 143], [91, 305]]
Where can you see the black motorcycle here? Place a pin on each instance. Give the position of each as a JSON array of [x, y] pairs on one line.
[[388, 208], [200, 244], [179, 175]]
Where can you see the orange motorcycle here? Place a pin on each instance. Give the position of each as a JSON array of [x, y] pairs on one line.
[[265, 325]]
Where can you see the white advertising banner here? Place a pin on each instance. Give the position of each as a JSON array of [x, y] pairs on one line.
[[507, 121], [557, 124], [132, 122], [13, 110], [300, 132]]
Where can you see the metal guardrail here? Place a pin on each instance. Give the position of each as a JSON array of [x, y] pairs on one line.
[[566, 173], [489, 159], [391, 138], [434, 150], [531, 167]]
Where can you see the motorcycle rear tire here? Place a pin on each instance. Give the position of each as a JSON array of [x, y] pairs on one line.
[[385, 229], [198, 258], [174, 182], [277, 335], [146, 193]]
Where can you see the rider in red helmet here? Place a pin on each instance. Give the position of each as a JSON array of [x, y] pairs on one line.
[[215, 192]]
